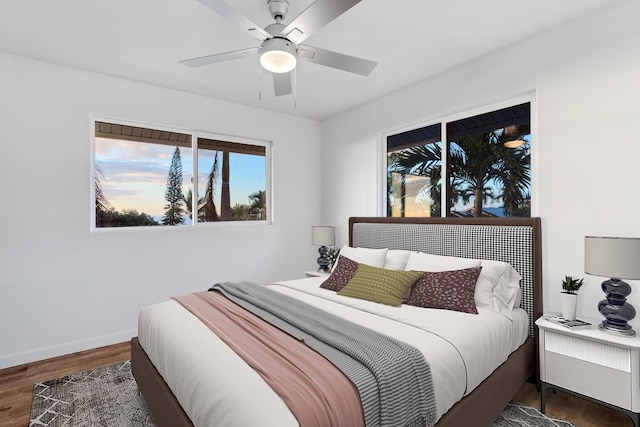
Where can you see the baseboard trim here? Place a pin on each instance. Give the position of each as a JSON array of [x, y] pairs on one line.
[[39, 354]]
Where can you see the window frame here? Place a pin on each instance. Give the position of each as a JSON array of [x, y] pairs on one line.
[[531, 98], [195, 136]]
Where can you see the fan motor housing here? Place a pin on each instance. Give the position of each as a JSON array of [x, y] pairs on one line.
[[278, 8]]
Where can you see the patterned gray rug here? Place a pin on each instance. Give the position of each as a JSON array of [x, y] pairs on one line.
[[108, 396]]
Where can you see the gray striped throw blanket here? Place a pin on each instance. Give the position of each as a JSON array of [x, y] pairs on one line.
[[392, 377]]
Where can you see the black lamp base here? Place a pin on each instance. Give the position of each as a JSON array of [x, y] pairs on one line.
[[629, 333], [323, 262], [616, 310]]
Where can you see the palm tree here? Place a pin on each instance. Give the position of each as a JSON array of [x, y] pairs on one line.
[[188, 203], [424, 160], [478, 164], [209, 212], [482, 162], [102, 204], [258, 204], [225, 197]]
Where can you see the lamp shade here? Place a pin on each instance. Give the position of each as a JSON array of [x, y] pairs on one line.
[[615, 257], [323, 235]]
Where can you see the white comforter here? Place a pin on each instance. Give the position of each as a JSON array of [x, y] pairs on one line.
[[216, 387]]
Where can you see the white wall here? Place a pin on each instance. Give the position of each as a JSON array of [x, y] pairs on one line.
[[64, 289], [586, 77]]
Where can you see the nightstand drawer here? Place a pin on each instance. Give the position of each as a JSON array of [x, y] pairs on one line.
[[599, 382], [599, 353]]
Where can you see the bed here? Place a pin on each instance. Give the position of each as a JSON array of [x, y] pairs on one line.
[[515, 241]]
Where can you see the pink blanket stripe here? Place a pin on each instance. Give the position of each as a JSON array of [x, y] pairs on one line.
[[316, 392]]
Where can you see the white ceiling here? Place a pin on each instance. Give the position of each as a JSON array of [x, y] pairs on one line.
[[143, 40]]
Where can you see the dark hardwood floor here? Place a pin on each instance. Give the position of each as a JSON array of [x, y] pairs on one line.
[[16, 386], [578, 411]]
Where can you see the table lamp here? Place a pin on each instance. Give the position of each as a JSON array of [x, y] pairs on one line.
[[323, 236], [618, 258]]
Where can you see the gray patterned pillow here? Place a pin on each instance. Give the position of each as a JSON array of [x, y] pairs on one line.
[[341, 275], [449, 290]]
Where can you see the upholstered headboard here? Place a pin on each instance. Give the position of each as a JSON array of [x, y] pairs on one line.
[[513, 240]]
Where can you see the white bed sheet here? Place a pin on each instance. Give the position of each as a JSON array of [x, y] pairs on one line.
[[460, 353]]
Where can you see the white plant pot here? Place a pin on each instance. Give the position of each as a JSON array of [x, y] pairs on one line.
[[569, 304]]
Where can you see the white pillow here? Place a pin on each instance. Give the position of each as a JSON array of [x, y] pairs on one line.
[[498, 287], [518, 302], [420, 261], [372, 257], [396, 259]]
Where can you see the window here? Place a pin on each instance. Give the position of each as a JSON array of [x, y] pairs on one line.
[[222, 163], [145, 176], [485, 167], [414, 169]]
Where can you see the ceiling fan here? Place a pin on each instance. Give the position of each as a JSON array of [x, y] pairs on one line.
[[281, 48]]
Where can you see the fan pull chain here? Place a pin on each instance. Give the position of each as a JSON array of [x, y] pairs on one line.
[[259, 82], [295, 88]]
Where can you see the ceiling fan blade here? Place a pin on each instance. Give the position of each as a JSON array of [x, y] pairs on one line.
[[328, 58], [282, 83], [219, 57], [223, 9], [316, 16]]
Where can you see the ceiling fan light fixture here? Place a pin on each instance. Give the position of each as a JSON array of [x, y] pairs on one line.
[[515, 143], [278, 55]]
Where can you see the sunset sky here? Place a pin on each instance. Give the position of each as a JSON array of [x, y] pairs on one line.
[[135, 174]]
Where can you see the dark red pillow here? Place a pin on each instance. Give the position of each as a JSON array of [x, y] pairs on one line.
[[343, 272], [449, 290]]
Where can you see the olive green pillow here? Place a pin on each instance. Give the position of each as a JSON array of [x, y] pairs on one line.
[[380, 285]]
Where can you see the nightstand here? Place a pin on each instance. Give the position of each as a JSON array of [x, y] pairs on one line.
[[313, 273], [591, 364]]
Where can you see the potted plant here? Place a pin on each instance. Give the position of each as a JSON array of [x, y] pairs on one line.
[[569, 296]]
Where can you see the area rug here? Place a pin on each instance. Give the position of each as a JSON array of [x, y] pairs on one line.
[[108, 396]]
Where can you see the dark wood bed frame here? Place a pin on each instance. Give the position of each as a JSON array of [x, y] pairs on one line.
[[478, 408]]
